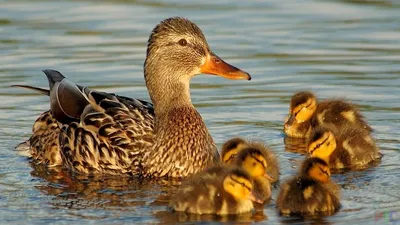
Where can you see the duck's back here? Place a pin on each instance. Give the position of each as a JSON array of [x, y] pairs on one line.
[[109, 137]]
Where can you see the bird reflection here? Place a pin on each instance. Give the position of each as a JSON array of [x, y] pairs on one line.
[[296, 145]]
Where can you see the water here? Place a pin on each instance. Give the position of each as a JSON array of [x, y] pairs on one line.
[[342, 48]]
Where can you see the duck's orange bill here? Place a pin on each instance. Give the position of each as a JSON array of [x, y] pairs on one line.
[[217, 66]]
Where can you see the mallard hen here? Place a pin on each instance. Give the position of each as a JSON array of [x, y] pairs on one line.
[[97, 132]]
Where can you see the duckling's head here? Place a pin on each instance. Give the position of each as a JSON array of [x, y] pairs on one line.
[[322, 143], [316, 169], [239, 184], [302, 107], [254, 162], [231, 148]]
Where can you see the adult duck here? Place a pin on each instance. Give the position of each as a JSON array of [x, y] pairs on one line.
[[94, 132]]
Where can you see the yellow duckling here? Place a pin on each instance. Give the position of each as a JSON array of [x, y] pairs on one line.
[[256, 153], [345, 148], [205, 193], [305, 114], [254, 162], [311, 192]]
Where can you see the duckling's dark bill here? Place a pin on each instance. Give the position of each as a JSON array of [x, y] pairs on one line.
[[217, 66]]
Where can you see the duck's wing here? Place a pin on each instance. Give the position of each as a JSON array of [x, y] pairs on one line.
[[97, 132]]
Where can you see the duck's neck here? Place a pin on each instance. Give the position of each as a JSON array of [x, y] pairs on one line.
[[167, 89]]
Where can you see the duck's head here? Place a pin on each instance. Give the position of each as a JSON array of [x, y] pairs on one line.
[[231, 148], [302, 107], [239, 184], [322, 143], [253, 161], [316, 169], [177, 50]]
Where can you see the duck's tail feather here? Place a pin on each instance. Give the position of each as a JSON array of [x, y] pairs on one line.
[[53, 76], [24, 149], [40, 90]]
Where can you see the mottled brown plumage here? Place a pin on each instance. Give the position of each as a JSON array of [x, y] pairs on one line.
[[311, 192], [306, 113], [347, 147], [43, 143], [106, 133]]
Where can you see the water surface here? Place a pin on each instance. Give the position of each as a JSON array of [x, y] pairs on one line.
[[344, 48]]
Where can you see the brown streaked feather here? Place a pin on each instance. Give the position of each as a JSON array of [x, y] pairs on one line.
[[182, 146], [44, 140], [112, 141]]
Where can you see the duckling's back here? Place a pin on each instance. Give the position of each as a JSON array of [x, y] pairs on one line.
[[304, 196], [339, 113], [355, 147]]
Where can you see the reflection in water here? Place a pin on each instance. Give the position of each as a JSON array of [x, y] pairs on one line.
[[125, 193], [78, 192], [337, 48], [295, 145]]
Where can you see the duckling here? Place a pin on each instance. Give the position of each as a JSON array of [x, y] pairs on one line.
[[345, 148], [305, 114], [205, 193], [266, 158], [311, 192], [254, 161]]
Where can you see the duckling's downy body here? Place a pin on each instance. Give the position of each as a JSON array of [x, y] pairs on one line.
[[206, 193], [347, 147], [239, 147], [95, 132], [311, 192], [305, 114], [255, 158]]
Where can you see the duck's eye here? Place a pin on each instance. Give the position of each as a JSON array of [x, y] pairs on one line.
[[182, 42]]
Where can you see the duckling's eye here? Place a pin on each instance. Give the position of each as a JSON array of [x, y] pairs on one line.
[[231, 157], [182, 42]]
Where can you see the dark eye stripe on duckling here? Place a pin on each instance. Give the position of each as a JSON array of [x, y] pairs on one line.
[[324, 171], [318, 145], [295, 114], [241, 183], [231, 157], [261, 162]]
